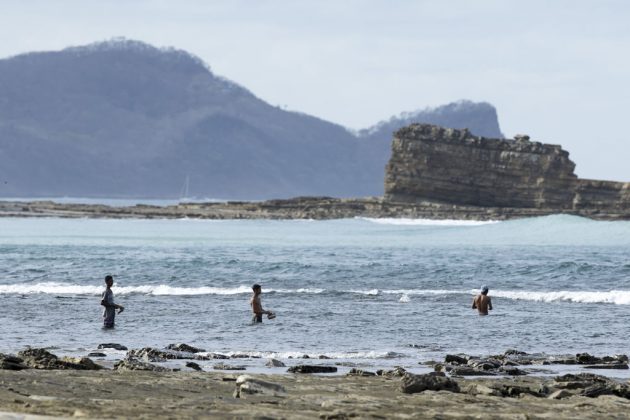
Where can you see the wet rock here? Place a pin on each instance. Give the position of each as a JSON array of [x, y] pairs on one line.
[[194, 366], [454, 359], [607, 366], [135, 364], [37, 358], [184, 348], [597, 390], [511, 370], [274, 363], [484, 364], [9, 362], [360, 372], [411, 384], [96, 354], [322, 356], [224, 366], [397, 372], [86, 362], [306, 356], [211, 356], [114, 346], [150, 354], [513, 352], [244, 356], [585, 358], [470, 371], [248, 385], [312, 369]]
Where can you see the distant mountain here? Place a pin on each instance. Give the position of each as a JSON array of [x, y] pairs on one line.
[[122, 118]]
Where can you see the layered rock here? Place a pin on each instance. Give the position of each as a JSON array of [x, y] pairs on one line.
[[454, 166], [431, 163]]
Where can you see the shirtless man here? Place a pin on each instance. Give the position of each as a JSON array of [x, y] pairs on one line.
[[482, 302], [107, 300], [257, 308]]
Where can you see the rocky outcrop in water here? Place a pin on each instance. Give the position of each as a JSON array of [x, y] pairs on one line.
[[453, 166], [37, 358]]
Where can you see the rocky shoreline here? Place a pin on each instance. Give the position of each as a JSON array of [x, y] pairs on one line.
[[36, 381], [315, 208]]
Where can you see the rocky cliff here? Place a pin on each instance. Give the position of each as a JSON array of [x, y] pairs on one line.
[[453, 166]]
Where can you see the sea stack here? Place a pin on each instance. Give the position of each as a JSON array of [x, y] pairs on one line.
[[432, 163]]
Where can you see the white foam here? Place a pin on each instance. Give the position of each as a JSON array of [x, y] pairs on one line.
[[617, 297], [404, 298], [371, 292], [314, 355], [426, 222]]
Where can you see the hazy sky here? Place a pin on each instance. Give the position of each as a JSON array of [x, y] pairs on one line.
[[556, 70]]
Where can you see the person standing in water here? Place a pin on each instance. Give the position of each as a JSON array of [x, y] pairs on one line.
[[256, 305], [107, 300], [482, 301]]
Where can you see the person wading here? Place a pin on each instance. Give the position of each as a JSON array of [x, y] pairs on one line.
[[107, 300], [482, 302], [256, 305]]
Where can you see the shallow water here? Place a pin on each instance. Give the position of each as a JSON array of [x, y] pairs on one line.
[[374, 292]]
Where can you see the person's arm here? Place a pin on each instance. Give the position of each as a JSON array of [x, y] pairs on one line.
[[474, 305], [105, 303], [489, 304]]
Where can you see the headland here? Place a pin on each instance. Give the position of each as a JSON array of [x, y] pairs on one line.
[[433, 173]]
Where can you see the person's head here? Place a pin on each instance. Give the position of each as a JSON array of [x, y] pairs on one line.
[[109, 281], [257, 289], [484, 290]]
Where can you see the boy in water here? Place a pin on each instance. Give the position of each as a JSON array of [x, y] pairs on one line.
[[256, 305], [107, 300], [482, 301]]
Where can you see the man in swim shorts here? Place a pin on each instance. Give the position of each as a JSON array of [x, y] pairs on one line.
[[482, 301], [107, 300], [256, 305]]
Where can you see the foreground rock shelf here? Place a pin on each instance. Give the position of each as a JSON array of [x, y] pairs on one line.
[[132, 394], [36, 381], [316, 208]]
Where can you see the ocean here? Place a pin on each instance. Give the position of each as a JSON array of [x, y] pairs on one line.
[[370, 292]]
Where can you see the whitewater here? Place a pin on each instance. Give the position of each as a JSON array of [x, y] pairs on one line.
[[377, 292]]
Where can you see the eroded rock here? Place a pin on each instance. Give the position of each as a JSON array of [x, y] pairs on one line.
[[274, 363], [150, 354], [135, 364], [225, 366], [246, 384], [114, 346], [10, 362], [194, 366], [360, 372], [184, 348], [312, 369], [411, 384]]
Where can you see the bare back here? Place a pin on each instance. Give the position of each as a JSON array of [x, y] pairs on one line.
[[482, 303]]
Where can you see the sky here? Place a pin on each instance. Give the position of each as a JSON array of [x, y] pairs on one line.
[[556, 70]]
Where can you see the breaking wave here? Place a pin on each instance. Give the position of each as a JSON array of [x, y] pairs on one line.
[[618, 297]]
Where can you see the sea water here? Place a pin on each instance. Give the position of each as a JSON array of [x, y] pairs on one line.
[[375, 292]]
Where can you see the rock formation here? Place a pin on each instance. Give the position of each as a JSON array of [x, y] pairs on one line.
[[431, 163]]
